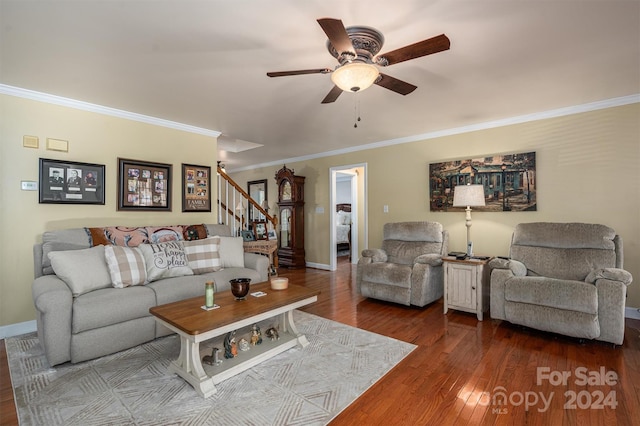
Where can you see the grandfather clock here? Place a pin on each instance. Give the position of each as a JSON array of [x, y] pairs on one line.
[[291, 218]]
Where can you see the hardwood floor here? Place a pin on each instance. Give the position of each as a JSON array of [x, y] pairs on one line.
[[462, 367]]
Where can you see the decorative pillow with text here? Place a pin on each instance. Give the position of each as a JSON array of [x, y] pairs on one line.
[[165, 260]]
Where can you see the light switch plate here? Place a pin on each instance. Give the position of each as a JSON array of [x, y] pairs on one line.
[[29, 185]]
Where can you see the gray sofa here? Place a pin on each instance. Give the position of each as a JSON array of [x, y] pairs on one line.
[[408, 267], [107, 320], [565, 278]]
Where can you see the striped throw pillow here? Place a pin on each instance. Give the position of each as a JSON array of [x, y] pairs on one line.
[[203, 255], [126, 266]]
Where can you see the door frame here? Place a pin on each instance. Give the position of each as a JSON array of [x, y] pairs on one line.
[[356, 207]]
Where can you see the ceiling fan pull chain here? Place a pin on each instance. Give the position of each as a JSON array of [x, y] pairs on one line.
[[356, 111]]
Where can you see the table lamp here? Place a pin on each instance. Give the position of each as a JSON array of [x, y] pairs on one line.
[[469, 196]]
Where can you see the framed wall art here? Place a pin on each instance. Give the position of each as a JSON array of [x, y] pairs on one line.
[[260, 230], [247, 235], [70, 182], [509, 182], [143, 185], [196, 188]]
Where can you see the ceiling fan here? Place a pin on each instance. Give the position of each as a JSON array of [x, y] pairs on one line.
[[356, 49]]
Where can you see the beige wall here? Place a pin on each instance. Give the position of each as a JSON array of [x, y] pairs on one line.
[[587, 164], [588, 170], [93, 138]]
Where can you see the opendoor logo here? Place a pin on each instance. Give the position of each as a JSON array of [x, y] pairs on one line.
[[500, 399]]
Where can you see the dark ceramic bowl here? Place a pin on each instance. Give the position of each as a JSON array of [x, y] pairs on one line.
[[240, 287]]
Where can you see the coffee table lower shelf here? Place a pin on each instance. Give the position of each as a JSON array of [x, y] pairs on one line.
[[203, 378]]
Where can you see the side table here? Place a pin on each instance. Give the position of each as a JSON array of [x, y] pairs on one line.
[[266, 247], [466, 284]]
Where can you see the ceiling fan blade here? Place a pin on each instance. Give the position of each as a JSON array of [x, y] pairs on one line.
[[299, 72], [422, 48], [337, 34], [332, 95], [395, 85]]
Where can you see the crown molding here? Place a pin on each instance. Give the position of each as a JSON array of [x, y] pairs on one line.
[[560, 112], [86, 106]]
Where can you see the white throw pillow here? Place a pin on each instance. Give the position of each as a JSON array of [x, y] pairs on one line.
[[126, 266], [203, 255], [165, 260], [231, 252], [83, 270]]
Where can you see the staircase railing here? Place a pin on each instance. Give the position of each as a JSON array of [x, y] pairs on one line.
[[234, 210]]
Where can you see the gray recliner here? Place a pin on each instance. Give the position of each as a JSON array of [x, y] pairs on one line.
[[565, 278], [408, 267]]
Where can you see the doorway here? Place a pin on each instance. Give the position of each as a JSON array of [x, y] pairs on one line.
[[348, 187]]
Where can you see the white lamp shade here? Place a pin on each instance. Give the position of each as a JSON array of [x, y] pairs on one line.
[[239, 207], [355, 77], [468, 196]]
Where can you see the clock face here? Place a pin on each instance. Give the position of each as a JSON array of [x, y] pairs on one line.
[[286, 191]]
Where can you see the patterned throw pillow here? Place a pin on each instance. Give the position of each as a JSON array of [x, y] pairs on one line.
[[165, 260], [203, 255], [194, 232], [162, 234], [123, 236], [126, 266]]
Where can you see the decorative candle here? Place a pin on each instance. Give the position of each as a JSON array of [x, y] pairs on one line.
[[209, 291]]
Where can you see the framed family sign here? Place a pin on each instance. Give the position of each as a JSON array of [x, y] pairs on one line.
[[70, 182], [143, 185], [196, 188]]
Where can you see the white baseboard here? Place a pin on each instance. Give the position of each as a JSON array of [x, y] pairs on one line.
[[17, 329], [633, 313], [318, 266]]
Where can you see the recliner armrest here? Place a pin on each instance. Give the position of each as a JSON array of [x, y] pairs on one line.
[[375, 255], [429, 259], [612, 274], [516, 267]]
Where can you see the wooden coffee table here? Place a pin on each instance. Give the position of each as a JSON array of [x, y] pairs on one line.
[[195, 325]]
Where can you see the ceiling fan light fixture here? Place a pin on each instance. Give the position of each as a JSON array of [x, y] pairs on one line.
[[355, 76]]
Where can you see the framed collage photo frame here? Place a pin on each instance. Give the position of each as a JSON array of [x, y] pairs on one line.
[[144, 185], [70, 182], [196, 188]]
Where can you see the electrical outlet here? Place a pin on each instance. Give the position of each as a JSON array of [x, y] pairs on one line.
[[385, 208]]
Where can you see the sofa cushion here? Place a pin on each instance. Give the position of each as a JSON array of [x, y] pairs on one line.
[[406, 252], [564, 235], [126, 266], [64, 239], [567, 251], [563, 263], [165, 260], [203, 254], [83, 270], [388, 273], [109, 306], [231, 252], [218, 229], [560, 294]]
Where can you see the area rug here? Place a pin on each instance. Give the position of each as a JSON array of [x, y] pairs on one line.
[[307, 386]]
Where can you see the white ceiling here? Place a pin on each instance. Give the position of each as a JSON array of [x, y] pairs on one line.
[[204, 63]]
